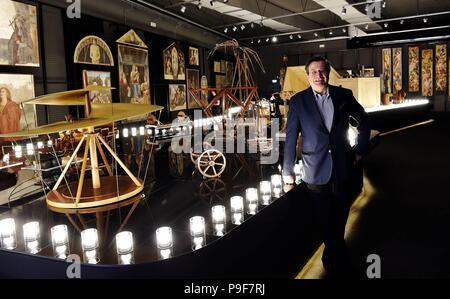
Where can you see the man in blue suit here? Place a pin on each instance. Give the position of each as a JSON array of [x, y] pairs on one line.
[[321, 114]]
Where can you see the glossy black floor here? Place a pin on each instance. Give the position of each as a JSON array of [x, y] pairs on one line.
[[174, 191], [407, 220]]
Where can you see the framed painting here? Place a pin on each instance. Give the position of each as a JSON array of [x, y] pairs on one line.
[[92, 49], [441, 67], [216, 66], [397, 68], [413, 69], [193, 81], [220, 81], [98, 78], [193, 56], [177, 97], [387, 70], [134, 81], [174, 67], [15, 89], [19, 34], [427, 72], [132, 39]]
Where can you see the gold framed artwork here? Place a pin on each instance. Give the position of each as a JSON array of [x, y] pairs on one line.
[[387, 70], [134, 86], [98, 78], [427, 72], [174, 67], [397, 69], [216, 66], [413, 69], [92, 49], [15, 89], [221, 81], [132, 39], [193, 81], [177, 97], [19, 34], [193, 56], [441, 67]]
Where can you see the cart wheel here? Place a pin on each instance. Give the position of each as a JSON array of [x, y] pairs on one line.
[[194, 155], [211, 163], [213, 190]]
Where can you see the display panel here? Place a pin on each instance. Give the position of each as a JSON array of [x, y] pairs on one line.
[[193, 81], [441, 67], [413, 59], [387, 70], [173, 63], [397, 68], [98, 78]]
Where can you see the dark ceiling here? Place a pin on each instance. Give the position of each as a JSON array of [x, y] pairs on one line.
[[303, 20]]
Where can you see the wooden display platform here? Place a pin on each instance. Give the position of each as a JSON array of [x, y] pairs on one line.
[[109, 192]]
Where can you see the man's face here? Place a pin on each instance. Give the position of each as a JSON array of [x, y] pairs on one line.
[[318, 77]]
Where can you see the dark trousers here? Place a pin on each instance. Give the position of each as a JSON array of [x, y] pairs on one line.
[[332, 206]]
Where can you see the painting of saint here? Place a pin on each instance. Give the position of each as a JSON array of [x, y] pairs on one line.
[[15, 89], [177, 97], [18, 34], [173, 63], [397, 68], [193, 56], [98, 78], [92, 49], [387, 70]]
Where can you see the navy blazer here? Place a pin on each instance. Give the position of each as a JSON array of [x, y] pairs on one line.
[[324, 151]]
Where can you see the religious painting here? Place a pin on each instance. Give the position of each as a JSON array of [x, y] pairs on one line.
[[15, 89], [397, 68], [177, 97], [193, 81], [98, 78], [441, 67], [216, 66], [229, 73], [387, 70], [204, 86], [19, 44], [193, 56], [427, 72], [92, 49], [134, 86], [132, 39], [173, 63], [220, 81], [413, 71], [223, 66]]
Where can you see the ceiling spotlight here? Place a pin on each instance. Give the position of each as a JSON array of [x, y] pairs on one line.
[[291, 37], [267, 40], [344, 10], [252, 41], [225, 30], [385, 25], [322, 46], [402, 21], [384, 4], [274, 39], [234, 28], [199, 5], [252, 25], [261, 23], [344, 30], [315, 34], [299, 36], [330, 33], [242, 27], [225, 1], [425, 20], [367, 7], [259, 41], [183, 8], [211, 2], [366, 27]]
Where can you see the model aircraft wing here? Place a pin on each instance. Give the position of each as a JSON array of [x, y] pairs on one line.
[[102, 114], [67, 98]]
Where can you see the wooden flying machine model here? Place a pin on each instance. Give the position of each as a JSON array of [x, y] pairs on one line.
[[97, 190]]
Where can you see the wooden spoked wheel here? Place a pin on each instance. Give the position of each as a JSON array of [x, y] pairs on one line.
[[213, 190], [211, 163]]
